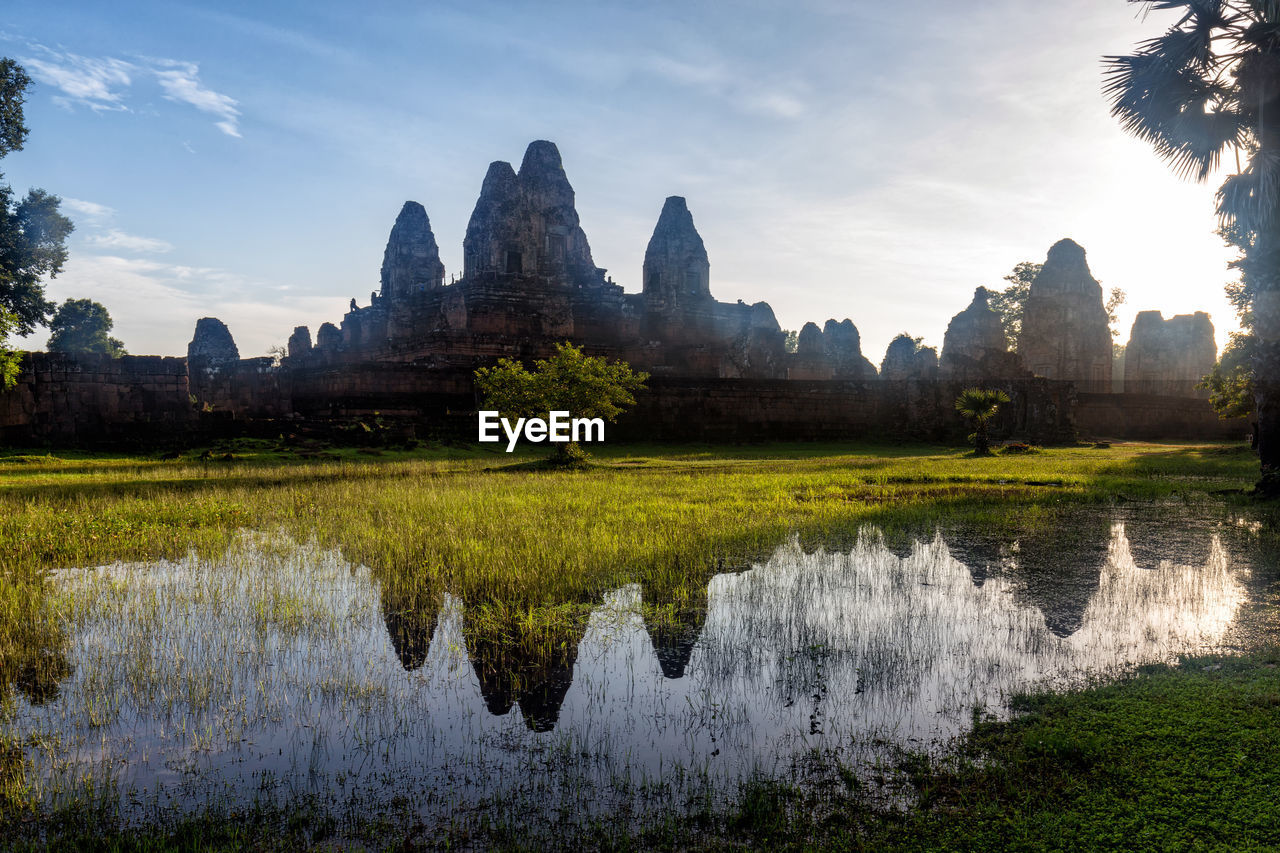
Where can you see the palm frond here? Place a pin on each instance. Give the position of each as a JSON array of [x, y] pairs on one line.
[[1176, 108]]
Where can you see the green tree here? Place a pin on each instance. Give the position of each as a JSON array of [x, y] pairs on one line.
[[790, 340], [33, 233], [80, 326], [1205, 89], [585, 386], [980, 406], [1115, 299], [1230, 383], [1008, 303], [10, 360]]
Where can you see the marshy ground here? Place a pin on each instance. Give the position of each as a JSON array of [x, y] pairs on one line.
[[793, 645]]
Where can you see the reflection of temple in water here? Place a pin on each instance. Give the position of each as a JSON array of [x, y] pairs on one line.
[[1058, 567], [517, 666], [411, 621], [674, 628], [1061, 593]]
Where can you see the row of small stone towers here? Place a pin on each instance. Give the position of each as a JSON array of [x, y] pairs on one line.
[[1065, 334]]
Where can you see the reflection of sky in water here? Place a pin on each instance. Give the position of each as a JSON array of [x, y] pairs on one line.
[[271, 672]]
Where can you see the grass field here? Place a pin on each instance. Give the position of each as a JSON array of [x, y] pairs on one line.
[[529, 551]]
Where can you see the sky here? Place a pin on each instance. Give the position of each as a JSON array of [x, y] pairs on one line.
[[870, 160]]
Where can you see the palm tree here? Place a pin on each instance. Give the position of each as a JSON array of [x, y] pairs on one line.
[[1210, 87], [980, 405]]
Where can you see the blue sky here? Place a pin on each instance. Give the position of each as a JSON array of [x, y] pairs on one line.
[[869, 160]]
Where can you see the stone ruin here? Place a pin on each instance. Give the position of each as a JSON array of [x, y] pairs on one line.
[[1169, 356], [975, 347], [211, 346], [1065, 333], [529, 281], [906, 359]]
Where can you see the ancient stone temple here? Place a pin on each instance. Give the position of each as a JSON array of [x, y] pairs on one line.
[[719, 371], [975, 348], [676, 270], [832, 352], [411, 262], [1169, 356], [212, 345], [1065, 333], [905, 359], [529, 281]]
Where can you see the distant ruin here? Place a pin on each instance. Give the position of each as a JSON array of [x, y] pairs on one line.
[[975, 348], [1065, 332], [719, 370], [1169, 356]]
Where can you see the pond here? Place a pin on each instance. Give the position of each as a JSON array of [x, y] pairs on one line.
[[282, 672]]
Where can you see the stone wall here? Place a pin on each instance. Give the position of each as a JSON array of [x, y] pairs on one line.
[[1152, 417], [141, 399], [832, 410], [94, 398]]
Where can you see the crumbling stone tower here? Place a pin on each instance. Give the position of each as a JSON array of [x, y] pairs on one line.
[[1169, 356], [677, 273], [1065, 333], [974, 347], [411, 262], [525, 224]]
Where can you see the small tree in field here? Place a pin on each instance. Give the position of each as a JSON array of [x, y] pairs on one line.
[[569, 381], [980, 405]]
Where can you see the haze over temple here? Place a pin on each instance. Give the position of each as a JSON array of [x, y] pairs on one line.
[[719, 369]]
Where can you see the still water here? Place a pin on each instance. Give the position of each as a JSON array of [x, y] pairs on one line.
[[282, 671]]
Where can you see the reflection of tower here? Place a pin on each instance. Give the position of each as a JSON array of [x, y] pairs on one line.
[[411, 622], [1059, 567], [674, 629], [516, 666]]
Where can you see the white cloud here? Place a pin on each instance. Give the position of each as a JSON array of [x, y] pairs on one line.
[[88, 209], [116, 239], [96, 83], [101, 83], [181, 83], [155, 305]]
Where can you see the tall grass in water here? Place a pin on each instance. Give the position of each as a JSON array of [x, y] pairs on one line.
[[528, 551]]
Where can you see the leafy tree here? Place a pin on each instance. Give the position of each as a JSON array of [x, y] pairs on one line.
[[10, 360], [33, 232], [1115, 299], [585, 386], [791, 340], [1008, 303], [980, 405], [1230, 383], [80, 326], [1204, 89]]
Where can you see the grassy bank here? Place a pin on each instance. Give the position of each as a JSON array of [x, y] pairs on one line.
[[529, 552]]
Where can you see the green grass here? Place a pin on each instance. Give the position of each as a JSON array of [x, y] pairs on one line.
[[1174, 758], [531, 551]]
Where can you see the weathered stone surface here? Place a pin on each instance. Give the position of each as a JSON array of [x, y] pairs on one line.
[[809, 343], [299, 342], [328, 337], [974, 347], [676, 270], [906, 359], [1065, 333], [212, 344], [411, 261], [844, 350], [526, 224], [1169, 356]]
